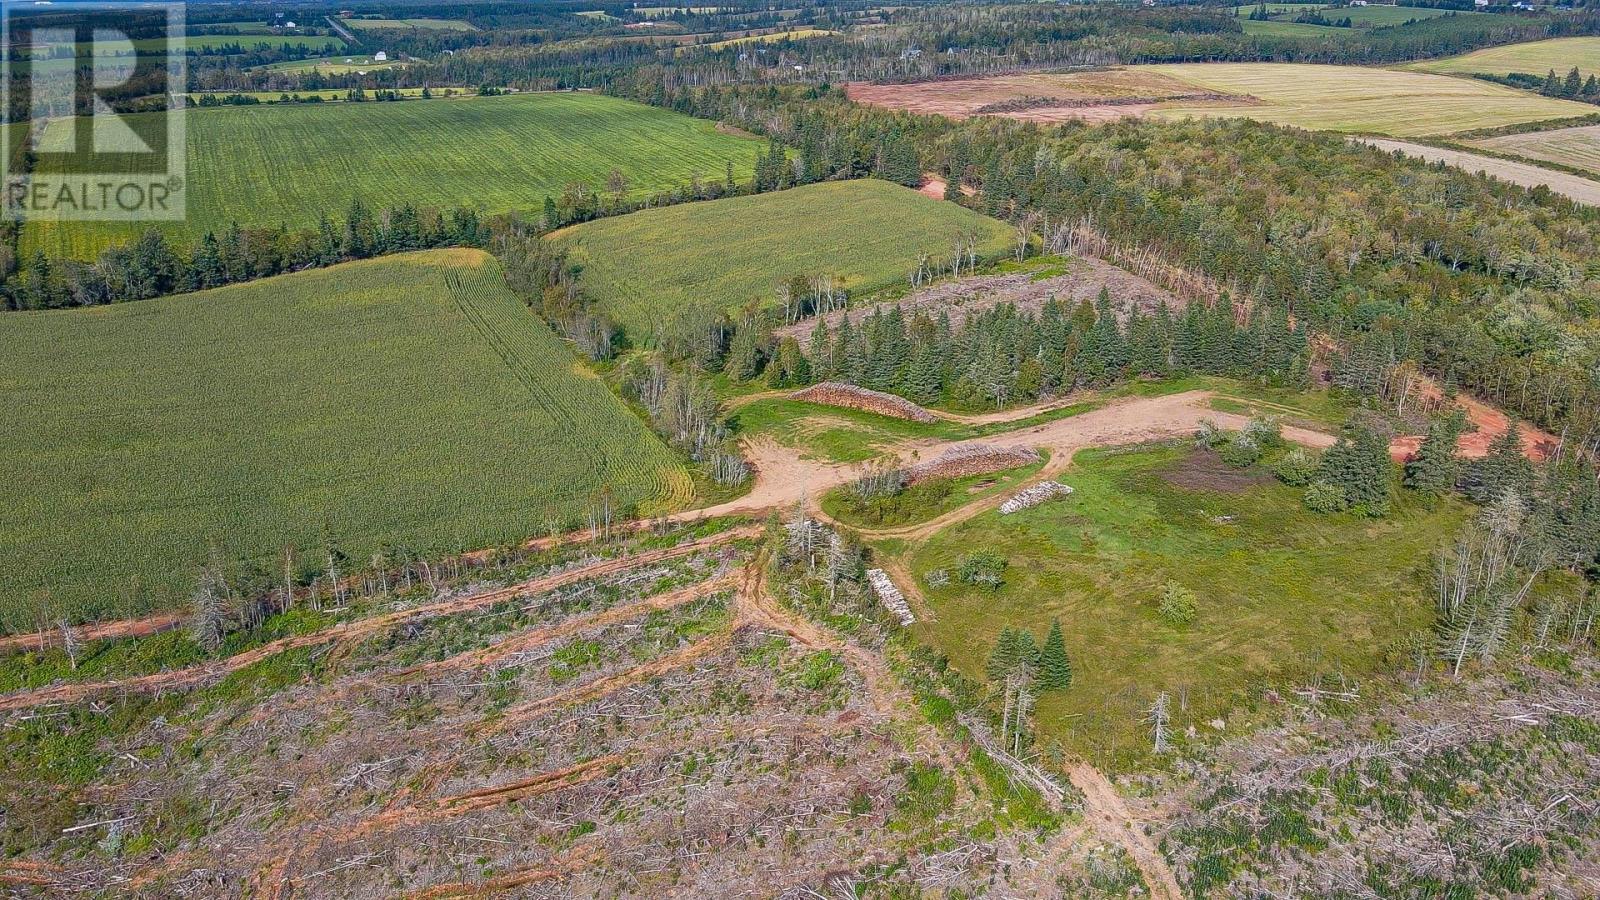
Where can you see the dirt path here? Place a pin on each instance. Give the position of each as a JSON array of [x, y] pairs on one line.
[[179, 678], [103, 631], [1583, 190], [1112, 820]]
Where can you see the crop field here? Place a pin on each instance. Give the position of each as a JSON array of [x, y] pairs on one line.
[[1576, 147], [1352, 99], [287, 164], [416, 24], [1281, 591], [650, 267], [321, 42], [410, 401], [1533, 57]]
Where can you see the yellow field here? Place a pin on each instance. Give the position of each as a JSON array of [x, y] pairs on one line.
[[772, 38], [1576, 147], [1362, 100], [1533, 57]]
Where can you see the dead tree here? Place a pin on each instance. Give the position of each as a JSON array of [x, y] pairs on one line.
[[69, 643], [1160, 721]]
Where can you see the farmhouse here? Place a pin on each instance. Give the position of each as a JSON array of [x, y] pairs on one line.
[[380, 56]]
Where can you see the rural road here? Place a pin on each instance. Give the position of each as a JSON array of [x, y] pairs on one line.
[[1583, 190]]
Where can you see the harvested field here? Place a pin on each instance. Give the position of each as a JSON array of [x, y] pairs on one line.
[[837, 393], [1204, 470], [1583, 190], [971, 459], [1096, 96], [1364, 100], [964, 297], [1576, 147]]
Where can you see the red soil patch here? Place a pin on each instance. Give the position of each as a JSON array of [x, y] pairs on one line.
[[1093, 96], [836, 393], [1491, 423]]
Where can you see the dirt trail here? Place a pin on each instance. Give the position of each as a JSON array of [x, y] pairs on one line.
[[1110, 817], [1576, 187], [178, 678], [123, 628]]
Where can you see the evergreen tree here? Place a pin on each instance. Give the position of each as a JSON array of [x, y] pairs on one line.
[[1055, 669], [820, 350], [1573, 86], [1004, 656], [1437, 467], [744, 354], [1504, 469], [1358, 464]]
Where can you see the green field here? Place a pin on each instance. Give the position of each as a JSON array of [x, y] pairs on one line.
[[286, 164], [248, 42], [1363, 100], [1533, 57], [411, 399], [1576, 147], [1290, 29], [412, 24], [1281, 592], [649, 268]]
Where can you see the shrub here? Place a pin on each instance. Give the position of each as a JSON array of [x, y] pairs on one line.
[[1209, 436], [1297, 468], [984, 567], [1242, 452], [1178, 604], [1325, 497], [1266, 432]]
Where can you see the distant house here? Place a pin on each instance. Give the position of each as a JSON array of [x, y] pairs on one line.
[[288, 25], [380, 56]]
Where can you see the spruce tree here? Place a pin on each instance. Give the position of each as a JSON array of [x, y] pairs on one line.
[[1004, 656], [1358, 463], [1436, 467], [1505, 469], [1055, 669]]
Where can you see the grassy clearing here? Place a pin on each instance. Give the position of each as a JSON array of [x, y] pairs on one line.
[[1282, 591], [286, 164], [1533, 57], [1354, 99], [1575, 147], [410, 400], [332, 65], [650, 268]]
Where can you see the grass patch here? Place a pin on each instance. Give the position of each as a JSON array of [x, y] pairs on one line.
[[1533, 57], [652, 269], [286, 164], [1281, 591], [410, 400]]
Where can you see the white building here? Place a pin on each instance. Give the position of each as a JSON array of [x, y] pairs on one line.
[[380, 56]]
